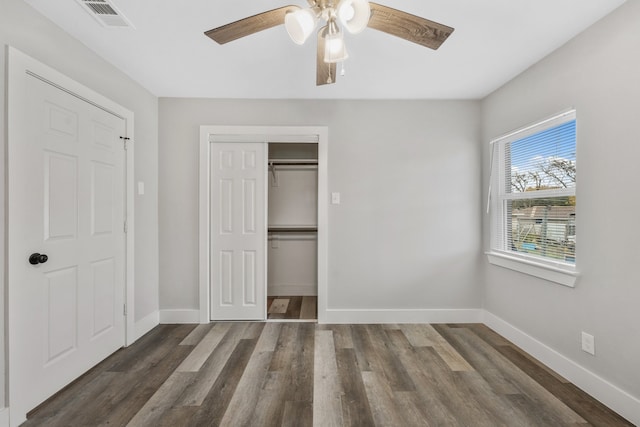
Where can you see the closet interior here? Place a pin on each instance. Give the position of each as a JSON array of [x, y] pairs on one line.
[[292, 270]]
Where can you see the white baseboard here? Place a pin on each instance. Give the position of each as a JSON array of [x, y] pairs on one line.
[[472, 315], [146, 324], [289, 290], [180, 316], [615, 398]]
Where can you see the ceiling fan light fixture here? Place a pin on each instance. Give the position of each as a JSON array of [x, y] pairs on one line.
[[335, 49], [354, 14], [300, 24]]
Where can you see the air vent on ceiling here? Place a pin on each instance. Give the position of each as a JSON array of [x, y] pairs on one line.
[[105, 12]]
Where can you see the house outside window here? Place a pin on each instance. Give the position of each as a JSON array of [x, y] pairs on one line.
[[533, 194]]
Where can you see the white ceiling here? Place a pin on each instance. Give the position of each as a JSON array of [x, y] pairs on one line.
[[167, 52]]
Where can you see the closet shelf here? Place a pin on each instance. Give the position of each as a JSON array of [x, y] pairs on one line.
[[281, 162], [293, 229]]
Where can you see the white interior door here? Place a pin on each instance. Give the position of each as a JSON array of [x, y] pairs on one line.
[[66, 201], [238, 230]]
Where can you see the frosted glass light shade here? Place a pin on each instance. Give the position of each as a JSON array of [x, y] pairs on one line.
[[354, 15], [334, 48], [300, 24]]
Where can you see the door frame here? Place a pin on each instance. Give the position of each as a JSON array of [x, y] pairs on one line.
[[20, 66], [263, 134]]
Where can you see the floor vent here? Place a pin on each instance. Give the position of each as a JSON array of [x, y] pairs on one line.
[[105, 12]]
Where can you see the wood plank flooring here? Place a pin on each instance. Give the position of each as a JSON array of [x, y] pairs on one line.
[[292, 307], [304, 374]]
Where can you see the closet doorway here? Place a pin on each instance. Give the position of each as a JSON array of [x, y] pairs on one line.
[[292, 250], [263, 223]]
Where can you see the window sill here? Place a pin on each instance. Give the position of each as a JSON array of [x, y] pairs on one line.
[[565, 276]]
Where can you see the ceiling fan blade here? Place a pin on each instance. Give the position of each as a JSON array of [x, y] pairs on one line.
[[250, 25], [325, 73], [407, 26]]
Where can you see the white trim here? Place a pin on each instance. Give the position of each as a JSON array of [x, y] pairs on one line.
[[262, 134], [560, 273], [308, 290], [180, 316], [612, 396], [236, 137], [130, 271], [464, 315], [204, 233], [323, 222], [146, 324]]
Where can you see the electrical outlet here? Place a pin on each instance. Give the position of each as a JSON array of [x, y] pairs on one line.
[[588, 343]]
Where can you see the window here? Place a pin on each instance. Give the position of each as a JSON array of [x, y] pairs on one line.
[[533, 182]]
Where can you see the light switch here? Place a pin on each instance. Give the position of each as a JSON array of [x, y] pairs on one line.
[[335, 198], [140, 188]]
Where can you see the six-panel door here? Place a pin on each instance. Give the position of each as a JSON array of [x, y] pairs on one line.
[[238, 231], [66, 196]]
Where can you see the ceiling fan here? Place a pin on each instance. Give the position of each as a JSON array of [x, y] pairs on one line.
[[353, 15]]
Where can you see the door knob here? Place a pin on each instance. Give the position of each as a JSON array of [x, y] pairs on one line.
[[37, 258]]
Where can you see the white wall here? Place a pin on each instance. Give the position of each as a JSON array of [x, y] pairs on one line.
[[26, 30], [293, 198], [599, 74], [407, 234], [292, 264]]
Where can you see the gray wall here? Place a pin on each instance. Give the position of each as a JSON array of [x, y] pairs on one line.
[[407, 234], [26, 30], [598, 73]]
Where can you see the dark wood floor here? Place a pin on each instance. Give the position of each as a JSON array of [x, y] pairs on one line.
[[292, 307], [303, 374]]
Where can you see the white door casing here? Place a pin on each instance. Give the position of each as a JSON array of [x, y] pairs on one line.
[[238, 231], [67, 198]]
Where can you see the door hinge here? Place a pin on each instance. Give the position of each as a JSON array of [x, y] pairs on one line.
[[126, 227], [124, 309]]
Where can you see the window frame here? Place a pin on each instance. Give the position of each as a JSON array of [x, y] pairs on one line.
[[556, 271]]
